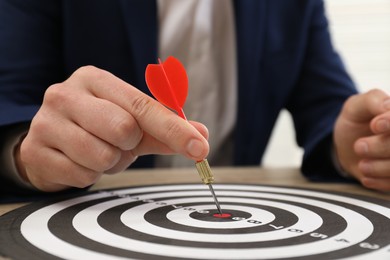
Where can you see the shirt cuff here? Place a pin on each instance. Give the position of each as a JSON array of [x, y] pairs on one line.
[[10, 171]]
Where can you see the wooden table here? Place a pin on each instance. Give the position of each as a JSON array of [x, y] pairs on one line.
[[251, 175]]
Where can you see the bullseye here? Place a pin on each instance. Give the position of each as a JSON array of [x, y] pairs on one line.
[[223, 215]]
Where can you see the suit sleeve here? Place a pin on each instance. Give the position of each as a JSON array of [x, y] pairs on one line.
[[31, 60], [317, 99]]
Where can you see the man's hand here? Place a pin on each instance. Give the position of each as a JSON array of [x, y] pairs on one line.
[[95, 123], [362, 139]]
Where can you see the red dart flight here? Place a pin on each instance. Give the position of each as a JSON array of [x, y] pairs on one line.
[[168, 82]]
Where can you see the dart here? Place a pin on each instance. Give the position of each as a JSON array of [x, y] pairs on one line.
[[168, 83]]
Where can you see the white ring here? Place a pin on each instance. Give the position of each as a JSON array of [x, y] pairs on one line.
[[34, 227]]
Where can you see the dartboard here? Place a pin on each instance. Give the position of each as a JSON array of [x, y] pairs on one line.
[[181, 222]]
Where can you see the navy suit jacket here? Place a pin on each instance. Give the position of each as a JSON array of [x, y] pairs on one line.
[[285, 60]]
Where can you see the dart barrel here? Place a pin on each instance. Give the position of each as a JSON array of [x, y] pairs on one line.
[[204, 171]]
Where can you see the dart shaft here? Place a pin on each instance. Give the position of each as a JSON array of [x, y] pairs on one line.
[[215, 199], [207, 177]]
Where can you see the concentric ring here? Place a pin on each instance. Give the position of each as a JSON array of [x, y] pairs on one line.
[[176, 222]]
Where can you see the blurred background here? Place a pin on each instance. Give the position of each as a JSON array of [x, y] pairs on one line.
[[361, 35]]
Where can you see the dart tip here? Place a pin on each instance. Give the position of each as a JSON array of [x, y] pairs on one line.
[[219, 210]]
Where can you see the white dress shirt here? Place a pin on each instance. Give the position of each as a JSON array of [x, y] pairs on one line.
[[201, 34]]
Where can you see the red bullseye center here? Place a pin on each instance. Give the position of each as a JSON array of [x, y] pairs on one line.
[[223, 215]]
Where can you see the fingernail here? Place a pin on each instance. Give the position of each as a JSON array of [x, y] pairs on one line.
[[386, 104], [365, 167], [368, 182], [382, 125], [362, 147], [195, 148]]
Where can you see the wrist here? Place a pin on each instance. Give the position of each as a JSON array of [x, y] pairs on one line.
[[338, 166], [10, 155], [21, 170]]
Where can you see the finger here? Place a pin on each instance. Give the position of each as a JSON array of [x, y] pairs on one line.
[[380, 184], [375, 168], [120, 128], [51, 177], [149, 145], [165, 126], [381, 124], [201, 128], [127, 158], [376, 146], [100, 117], [77, 144], [151, 116], [363, 107]]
